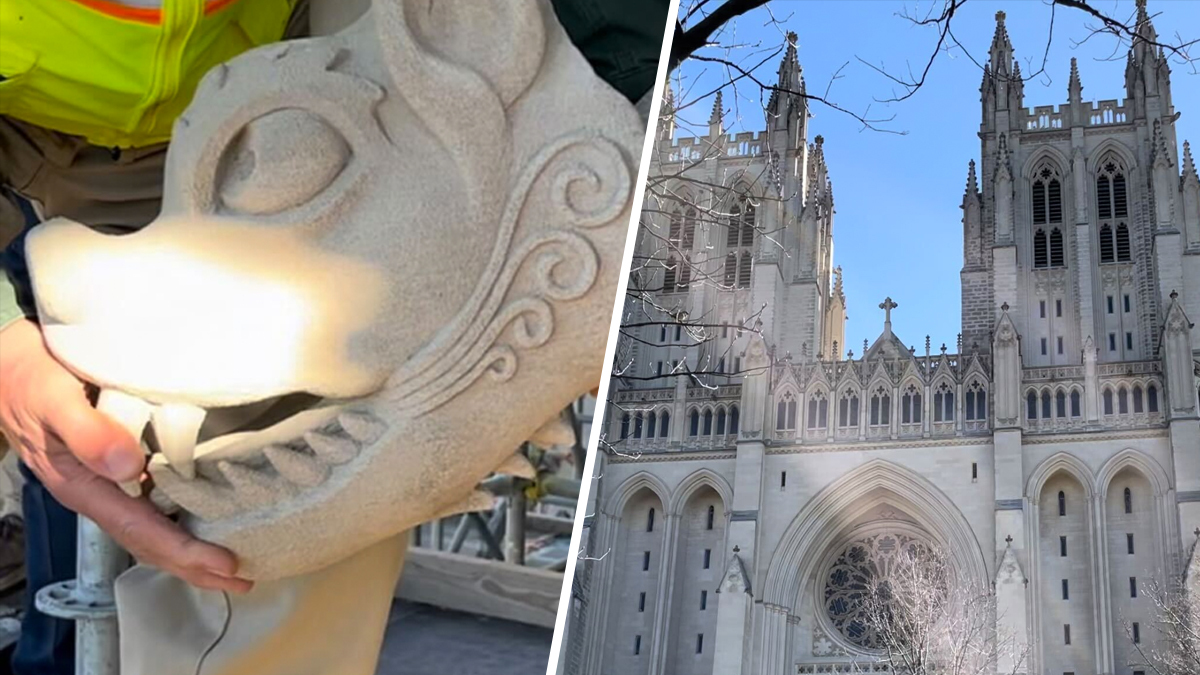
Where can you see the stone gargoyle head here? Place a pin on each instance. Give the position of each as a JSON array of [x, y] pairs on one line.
[[385, 259]]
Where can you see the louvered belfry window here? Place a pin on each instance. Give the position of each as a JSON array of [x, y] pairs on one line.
[[1041, 250], [1057, 254], [739, 242], [1112, 208], [1046, 197]]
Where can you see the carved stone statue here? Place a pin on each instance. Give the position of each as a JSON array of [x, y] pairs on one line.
[[385, 258], [1007, 371]]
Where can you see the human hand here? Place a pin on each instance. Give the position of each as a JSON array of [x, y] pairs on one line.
[[80, 455]]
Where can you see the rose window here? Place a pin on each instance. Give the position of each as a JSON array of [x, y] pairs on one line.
[[849, 578]]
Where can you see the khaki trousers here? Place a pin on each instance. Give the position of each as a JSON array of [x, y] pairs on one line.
[[330, 622]]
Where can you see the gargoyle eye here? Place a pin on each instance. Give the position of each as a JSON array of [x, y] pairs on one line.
[[279, 161]]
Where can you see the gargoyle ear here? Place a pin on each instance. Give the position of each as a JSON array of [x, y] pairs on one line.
[[500, 41], [459, 64]]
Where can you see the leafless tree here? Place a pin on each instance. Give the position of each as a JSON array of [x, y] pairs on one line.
[[929, 619], [1172, 645]]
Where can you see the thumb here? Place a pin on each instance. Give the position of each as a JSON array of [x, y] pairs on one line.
[[95, 439]]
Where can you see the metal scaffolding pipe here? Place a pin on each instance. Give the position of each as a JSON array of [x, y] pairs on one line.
[[88, 600], [514, 531]]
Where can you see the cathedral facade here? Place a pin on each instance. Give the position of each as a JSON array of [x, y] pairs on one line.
[[751, 453]]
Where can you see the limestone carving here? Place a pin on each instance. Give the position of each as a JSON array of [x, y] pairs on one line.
[[384, 258], [1176, 347], [1007, 371]]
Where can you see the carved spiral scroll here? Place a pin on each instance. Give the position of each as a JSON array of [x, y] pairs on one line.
[[577, 182]]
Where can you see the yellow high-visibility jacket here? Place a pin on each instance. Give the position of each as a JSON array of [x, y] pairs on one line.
[[119, 74]]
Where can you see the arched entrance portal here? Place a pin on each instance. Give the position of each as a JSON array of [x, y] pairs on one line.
[[861, 515]]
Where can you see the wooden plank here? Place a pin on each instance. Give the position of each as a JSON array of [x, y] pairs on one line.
[[478, 586]]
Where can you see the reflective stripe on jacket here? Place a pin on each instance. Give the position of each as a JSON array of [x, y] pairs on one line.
[[119, 74]]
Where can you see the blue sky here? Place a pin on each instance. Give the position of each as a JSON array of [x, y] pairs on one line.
[[898, 227]]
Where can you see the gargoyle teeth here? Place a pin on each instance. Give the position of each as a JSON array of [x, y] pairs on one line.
[[518, 465], [296, 466], [163, 502], [478, 500], [201, 497], [557, 431], [176, 427], [331, 449], [252, 487], [362, 427], [131, 412]]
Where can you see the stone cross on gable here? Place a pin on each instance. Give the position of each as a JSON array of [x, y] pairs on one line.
[[887, 306]]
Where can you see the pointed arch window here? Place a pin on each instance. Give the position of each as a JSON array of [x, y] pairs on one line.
[[1123, 401], [1060, 405], [733, 228], [733, 420], [749, 213], [881, 407], [1108, 250], [943, 404], [1137, 399], [785, 412], [1152, 398], [1047, 195], [739, 242], [651, 424], [910, 406], [848, 410], [1124, 254], [689, 229], [1041, 249], [625, 426], [818, 411], [664, 424], [685, 275], [1057, 252], [1075, 403], [975, 402], [1112, 207], [721, 422], [1112, 200], [675, 232], [670, 274], [745, 269], [637, 425], [708, 420], [1031, 406], [1045, 405], [694, 423], [1108, 402]]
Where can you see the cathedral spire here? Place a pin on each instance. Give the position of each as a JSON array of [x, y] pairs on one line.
[[717, 110], [666, 114], [1074, 86], [1146, 35], [1002, 49], [972, 184], [787, 109], [790, 76]]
